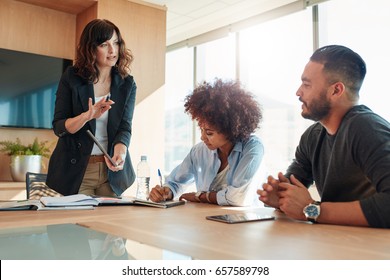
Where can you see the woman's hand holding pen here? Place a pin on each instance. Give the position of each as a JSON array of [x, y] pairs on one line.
[[159, 194], [96, 110]]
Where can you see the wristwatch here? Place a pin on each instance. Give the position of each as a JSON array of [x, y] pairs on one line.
[[197, 196], [312, 211]]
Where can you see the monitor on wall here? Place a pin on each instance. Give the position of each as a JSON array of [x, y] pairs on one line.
[[28, 85]]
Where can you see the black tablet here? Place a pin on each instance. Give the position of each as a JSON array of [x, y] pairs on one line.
[[240, 218], [101, 147]]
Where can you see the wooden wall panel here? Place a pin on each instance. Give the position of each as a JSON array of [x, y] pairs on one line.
[[144, 30], [28, 28], [37, 29], [82, 20], [67, 6]]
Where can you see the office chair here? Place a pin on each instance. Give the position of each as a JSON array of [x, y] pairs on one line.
[[36, 186]]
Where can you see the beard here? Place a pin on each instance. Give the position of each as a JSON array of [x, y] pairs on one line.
[[318, 108]]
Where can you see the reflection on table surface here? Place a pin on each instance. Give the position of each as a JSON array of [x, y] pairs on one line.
[[73, 242]]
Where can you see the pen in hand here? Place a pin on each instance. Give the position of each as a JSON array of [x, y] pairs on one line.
[[161, 182]]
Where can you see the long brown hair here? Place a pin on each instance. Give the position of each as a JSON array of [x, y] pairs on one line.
[[95, 33]]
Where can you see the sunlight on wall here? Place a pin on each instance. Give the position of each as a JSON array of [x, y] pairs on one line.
[[148, 135]]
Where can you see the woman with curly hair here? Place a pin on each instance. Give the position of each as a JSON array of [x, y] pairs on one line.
[[95, 94], [225, 166]]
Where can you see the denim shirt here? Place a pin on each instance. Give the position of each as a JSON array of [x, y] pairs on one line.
[[201, 166]]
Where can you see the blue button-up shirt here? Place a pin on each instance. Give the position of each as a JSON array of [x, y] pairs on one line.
[[243, 178]]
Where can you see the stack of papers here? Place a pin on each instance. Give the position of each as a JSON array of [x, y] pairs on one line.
[[80, 201], [33, 204], [70, 200]]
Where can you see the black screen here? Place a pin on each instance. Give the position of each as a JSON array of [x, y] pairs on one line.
[[28, 84]]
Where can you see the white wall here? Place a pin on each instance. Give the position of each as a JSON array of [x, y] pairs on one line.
[[148, 135]]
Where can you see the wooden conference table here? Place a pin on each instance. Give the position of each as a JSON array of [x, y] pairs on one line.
[[184, 230]]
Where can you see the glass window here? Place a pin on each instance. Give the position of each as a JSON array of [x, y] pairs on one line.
[[272, 58], [178, 125], [362, 26], [216, 59]]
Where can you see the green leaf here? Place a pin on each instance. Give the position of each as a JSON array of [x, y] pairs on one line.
[[17, 148]]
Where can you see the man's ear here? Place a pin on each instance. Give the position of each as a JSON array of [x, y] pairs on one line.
[[338, 89]]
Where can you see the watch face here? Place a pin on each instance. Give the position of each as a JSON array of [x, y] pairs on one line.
[[312, 211]]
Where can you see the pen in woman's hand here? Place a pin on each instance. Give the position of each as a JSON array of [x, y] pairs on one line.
[[161, 182]]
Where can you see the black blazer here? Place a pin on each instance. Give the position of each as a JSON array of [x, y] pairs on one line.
[[70, 157]]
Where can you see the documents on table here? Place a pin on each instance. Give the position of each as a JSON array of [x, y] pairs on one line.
[[80, 201]]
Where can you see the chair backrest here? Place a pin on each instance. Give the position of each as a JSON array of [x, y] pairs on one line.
[[36, 186]]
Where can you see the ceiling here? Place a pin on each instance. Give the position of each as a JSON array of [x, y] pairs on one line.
[[187, 19]]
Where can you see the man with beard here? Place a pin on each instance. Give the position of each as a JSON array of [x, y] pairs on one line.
[[346, 153]]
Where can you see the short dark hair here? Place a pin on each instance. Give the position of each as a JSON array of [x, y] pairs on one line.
[[226, 106], [342, 64], [95, 33]]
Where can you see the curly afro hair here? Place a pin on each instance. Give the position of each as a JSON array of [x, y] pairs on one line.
[[226, 106]]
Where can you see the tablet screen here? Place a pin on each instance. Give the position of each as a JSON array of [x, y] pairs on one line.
[[240, 218]]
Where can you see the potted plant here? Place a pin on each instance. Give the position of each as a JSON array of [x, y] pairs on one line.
[[25, 158]]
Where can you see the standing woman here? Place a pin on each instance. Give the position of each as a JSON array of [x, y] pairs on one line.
[[95, 94], [225, 166]]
